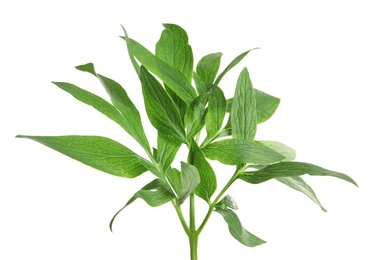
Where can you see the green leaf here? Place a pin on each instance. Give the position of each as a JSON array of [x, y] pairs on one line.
[[227, 203], [243, 110], [168, 146], [207, 67], [174, 49], [297, 183], [155, 193], [130, 54], [284, 150], [194, 119], [95, 101], [232, 64], [234, 151], [216, 111], [119, 98], [266, 105], [184, 182], [290, 169], [200, 84], [208, 180], [159, 107], [174, 79], [101, 153], [237, 230]]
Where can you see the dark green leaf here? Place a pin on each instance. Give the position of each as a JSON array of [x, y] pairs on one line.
[[234, 151], [243, 110], [155, 193], [232, 64], [207, 67], [290, 169], [216, 111], [174, 49], [98, 152], [194, 119], [174, 79], [237, 230], [208, 180], [299, 184], [159, 107], [266, 105], [168, 146], [119, 97], [280, 148]]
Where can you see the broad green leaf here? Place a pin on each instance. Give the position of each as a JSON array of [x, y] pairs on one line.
[[216, 111], [290, 169], [119, 98], [130, 54], [155, 193], [174, 79], [207, 67], [95, 101], [237, 230], [101, 153], [184, 182], [243, 110], [266, 105], [227, 203], [297, 183], [168, 146], [232, 64], [280, 148], [174, 49], [200, 84], [234, 151], [208, 180], [159, 107], [194, 119]]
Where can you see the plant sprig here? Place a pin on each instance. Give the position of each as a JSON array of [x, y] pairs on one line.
[[180, 111]]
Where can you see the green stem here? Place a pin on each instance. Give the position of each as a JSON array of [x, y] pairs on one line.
[[193, 243], [181, 218], [192, 217]]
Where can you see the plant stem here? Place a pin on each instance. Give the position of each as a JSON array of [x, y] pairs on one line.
[[181, 218], [192, 217], [193, 242]]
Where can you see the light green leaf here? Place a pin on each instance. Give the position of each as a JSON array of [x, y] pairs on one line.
[[284, 150], [130, 54], [243, 110], [208, 180], [194, 119], [174, 79], [232, 64], [266, 105], [155, 193], [168, 146], [227, 203], [237, 230], [216, 111], [207, 67], [234, 151], [290, 169], [297, 183], [119, 98], [159, 107], [101, 153], [184, 182], [174, 49]]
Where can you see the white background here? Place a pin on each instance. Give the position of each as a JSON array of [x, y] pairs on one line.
[[318, 56]]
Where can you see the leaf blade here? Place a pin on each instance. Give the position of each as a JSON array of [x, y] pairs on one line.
[[207, 68], [216, 111]]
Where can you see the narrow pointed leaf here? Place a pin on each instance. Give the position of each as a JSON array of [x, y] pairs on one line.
[[297, 183], [101, 153], [237, 230], [208, 180], [216, 111], [168, 146], [243, 110], [207, 68], [159, 107], [284, 150], [155, 193], [136, 66], [232, 64], [174, 49], [290, 169], [119, 98], [174, 79], [234, 151]]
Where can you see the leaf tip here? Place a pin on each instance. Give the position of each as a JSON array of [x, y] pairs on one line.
[[88, 67]]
